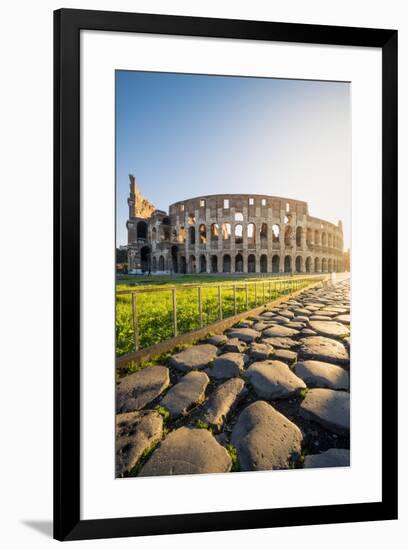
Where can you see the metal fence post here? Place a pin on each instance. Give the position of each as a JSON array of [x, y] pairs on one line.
[[173, 297], [134, 318]]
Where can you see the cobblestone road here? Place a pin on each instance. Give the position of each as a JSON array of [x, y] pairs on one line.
[[270, 393]]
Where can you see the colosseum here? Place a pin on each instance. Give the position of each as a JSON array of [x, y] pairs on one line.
[[230, 234]]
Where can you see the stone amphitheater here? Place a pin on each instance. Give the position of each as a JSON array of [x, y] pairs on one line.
[[271, 393], [231, 234]]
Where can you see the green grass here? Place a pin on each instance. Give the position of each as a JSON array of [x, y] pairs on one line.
[[155, 317], [232, 451]]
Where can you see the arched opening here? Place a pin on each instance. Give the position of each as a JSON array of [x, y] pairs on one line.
[[299, 237], [238, 233], [309, 236], [191, 219], [239, 217], [142, 230], [166, 221], [317, 237], [239, 263], [154, 264], [263, 234], [214, 233], [288, 264], [202, 230], [275, 264], [324, 239], [174, 235], [251, 263], [165, 233], [182, 235], [298, 264], [203, 264], [226, 231], [317, 265], [183, 264], [330, 240], [174, 258], [191, 235], [330, 266], [288, 235], [161, 263], [251, 234], [264, 263], [324, 265], [308, 264], [275, 233], [154, 234], [226, 263], [214, 264], [192, 264], [145, 258]]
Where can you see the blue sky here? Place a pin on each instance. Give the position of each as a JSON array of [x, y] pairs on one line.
[[188, 135]]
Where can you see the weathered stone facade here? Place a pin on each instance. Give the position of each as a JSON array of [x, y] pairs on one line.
[[231, 234]]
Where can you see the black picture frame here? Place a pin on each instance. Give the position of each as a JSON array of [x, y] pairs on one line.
[[67, 26]]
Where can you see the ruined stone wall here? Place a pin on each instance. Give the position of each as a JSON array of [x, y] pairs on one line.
[[242, 233]]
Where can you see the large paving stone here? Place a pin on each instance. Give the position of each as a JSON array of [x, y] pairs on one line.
[[245, 334], [281, 342], [268, 314], [188, 451], [297, 325], [344, 318], [303, 311], [186, 393], [273, 380], [285, 355], [324, 349], [308, 332], [317, 374], [217, 339], [228, 365], [261, 325], [280, 331], [286, 313], [329, 328], [222, 400], [260, 351], [196, 357], [329, 459], [137, 390], [280, 319], [135, 433], [234, 345], [265, 439], [329, 408]]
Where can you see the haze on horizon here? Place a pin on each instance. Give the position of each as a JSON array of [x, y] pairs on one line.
[[184, 136]]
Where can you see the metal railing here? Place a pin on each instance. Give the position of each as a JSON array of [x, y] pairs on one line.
[[263, 291]]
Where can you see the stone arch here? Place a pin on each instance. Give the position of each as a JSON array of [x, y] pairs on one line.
[[214, 233], [308, 264], [141, 230], [154, 264], [288, 264], [263, 235], [202, 232], [316, 237], [166, 221], [226, 263], [183, 264], [324, 238], [154, 234], [145, 258], [174, 258], [251, 234], [324, 265], [317, 265], [192, 264], [226, 231], [309, 236], [214, 264], [330, 240], [251, 263], [299, 234], [238, 233], [239, 263], [203, 264], [275, 264], [161, 263], [191, 235], [299, 264], [264, 263], [165, 233], [275, 233], [182, 235]]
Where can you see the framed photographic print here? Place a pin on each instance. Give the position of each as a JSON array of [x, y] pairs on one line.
[[225, 231]]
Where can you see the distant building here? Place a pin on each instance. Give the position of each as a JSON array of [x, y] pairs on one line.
[[230, 234]]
